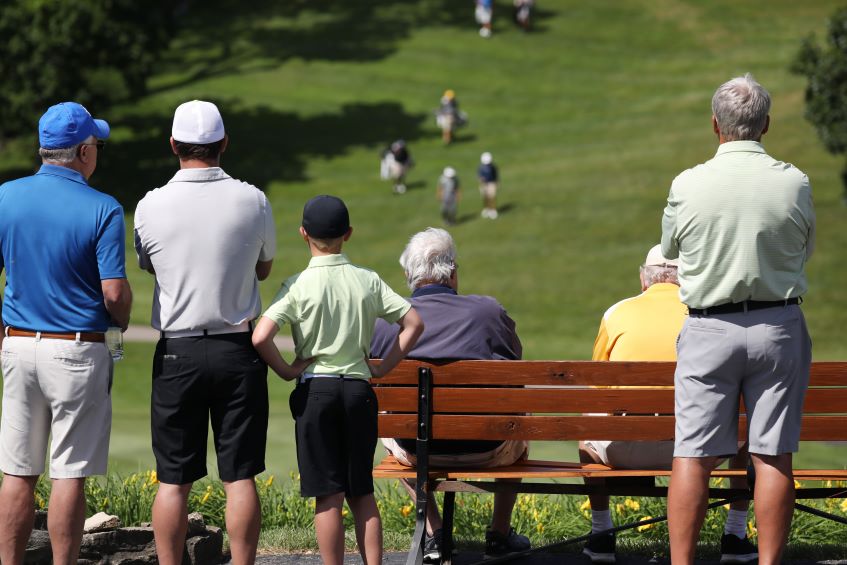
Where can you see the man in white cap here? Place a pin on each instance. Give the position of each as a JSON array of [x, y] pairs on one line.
[[448, 195], [208, 239], [645, 328], [62, 246], [487, 174]]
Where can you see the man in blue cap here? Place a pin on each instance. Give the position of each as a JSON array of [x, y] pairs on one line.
[[62, 245]]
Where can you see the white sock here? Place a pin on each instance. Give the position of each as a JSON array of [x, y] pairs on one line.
[[601, 520], [736, 523]]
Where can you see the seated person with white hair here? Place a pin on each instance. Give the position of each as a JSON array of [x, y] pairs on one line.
[[456, 327]]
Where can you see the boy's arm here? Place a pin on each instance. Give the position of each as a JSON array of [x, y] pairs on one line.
[[263, 341], [411, 328]]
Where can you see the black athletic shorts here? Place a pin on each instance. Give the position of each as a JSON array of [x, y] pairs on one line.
[[336, 429], [197, 378]]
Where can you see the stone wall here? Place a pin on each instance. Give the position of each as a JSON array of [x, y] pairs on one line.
[[106, 542]]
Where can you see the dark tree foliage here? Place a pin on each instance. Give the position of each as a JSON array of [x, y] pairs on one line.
[[96, 52], [825, 67]]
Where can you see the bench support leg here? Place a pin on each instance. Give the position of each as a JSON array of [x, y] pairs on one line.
[[422, 485], [415, 556], [447, 528]]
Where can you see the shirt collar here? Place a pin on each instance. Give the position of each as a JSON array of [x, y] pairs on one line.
[[206, 174], [329, 260], [662, 287], [745, 146], [59, 171], [429, 289]]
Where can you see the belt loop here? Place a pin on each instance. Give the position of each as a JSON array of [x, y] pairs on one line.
[[744, 302], [37, 336], [205, 333], [78, 337]]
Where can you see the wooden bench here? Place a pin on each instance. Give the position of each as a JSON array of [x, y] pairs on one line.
[[547, 400]]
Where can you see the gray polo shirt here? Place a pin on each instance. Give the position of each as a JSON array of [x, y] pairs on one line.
[[742, 225], [203, 234]]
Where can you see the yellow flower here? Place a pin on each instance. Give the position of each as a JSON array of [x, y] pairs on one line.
[[844, 505], [645, 527], [206, 497], [619, 508], [344, 512], [105, 503], [270, 481], [585, 505], [632, 504], [797, 484], [406, 510], [752, 531], [540, 527], [154, 478]]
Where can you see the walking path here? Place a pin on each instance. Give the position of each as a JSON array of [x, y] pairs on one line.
[[148, 334], [470, 557]]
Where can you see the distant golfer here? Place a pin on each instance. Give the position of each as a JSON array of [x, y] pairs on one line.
[[449, 117], [488, 177], [208, 239], [448, 195], [483, 14]]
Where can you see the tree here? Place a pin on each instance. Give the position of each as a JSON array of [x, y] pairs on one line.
[[826, 93], [95, 52]]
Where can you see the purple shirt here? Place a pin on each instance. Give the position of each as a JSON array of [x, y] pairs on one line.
[[456, 327]]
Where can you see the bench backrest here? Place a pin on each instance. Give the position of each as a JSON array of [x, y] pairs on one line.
[[548, 400]]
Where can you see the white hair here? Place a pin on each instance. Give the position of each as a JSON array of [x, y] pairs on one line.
[[63, 155], [653, 274], [741, 107], [429, 257]]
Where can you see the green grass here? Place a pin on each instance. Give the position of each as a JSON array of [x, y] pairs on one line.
[[589, 118]]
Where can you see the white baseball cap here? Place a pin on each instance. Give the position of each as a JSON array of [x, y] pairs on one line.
[[198, 122], [449, 172], [486, 158], [655, 258]]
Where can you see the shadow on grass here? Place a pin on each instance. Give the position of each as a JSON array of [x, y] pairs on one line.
[[271, 32], [265, 145]]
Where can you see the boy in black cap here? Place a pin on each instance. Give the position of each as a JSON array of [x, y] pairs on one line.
[[332, 307]]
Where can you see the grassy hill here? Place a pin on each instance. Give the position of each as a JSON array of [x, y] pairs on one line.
[[590, 117]]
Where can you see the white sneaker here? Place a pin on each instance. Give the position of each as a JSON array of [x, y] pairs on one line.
[[484, 213], [484, 32], [492, 214]]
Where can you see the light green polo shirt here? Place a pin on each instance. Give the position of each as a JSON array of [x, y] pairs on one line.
[[742, 225], [332, 307]]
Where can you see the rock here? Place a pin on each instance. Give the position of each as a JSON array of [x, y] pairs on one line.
[[98, 544], [143, 557], [134, 539], [196, 524], [40, 520], [38, 548], [101, 522], [205, 549]]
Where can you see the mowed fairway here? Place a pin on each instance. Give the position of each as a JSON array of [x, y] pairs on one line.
[[589, 117]]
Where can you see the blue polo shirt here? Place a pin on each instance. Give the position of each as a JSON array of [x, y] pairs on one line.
[[58, 239]]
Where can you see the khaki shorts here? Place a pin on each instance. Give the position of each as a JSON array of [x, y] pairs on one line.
[[507, 453], [633, 454], [58, 387], [488, 190]]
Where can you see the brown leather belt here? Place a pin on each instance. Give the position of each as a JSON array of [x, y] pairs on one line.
[[83, 336]]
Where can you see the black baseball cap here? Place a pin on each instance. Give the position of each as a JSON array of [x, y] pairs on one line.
[[325, 217]]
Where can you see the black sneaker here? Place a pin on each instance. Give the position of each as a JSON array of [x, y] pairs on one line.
[[737, 550], [600, 549], [432, 547], [498, 544]]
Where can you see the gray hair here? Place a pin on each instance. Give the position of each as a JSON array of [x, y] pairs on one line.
[[429, 257], [741, 107], [63, 155], [652, 274]]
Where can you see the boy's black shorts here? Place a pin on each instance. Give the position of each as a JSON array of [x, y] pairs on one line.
[[197, 378], [336, 430]]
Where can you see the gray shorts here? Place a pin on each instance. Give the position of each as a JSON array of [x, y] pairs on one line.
[[763, 355]]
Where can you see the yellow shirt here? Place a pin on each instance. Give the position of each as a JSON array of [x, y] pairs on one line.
[[332, 307], [642, 328]]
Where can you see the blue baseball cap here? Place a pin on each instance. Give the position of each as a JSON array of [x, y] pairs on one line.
[[68, 123]]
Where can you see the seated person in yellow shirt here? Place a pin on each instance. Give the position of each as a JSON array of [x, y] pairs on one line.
[[645, 328]]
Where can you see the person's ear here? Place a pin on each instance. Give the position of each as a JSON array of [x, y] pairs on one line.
[[173, 146], [715, 127], [303, 234], [767, 124], [225, 143], [348, 234]]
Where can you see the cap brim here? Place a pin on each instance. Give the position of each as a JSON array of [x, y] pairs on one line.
[[101, 129]]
